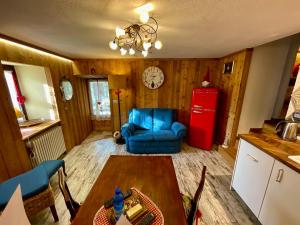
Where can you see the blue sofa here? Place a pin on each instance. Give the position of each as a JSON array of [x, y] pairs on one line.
[[153, 131]]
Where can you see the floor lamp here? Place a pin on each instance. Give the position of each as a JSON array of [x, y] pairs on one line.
[[118, 92], [116, 83]]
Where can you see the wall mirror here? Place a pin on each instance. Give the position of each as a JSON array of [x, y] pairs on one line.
[[66, 89]]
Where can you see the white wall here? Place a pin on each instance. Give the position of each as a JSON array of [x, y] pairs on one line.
[[265, 74], [34, 86]]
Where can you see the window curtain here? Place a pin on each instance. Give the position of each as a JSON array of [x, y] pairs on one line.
[[100, 101]]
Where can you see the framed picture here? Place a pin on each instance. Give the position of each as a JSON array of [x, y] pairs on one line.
[[228, 67]]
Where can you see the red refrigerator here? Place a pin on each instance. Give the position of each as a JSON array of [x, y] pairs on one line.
[[202, 118]]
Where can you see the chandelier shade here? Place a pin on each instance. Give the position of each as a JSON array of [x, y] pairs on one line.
[[138, 37]]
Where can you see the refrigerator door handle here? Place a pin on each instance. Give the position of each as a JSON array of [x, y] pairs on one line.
[[198, 106], [198, 112], [209, 110]]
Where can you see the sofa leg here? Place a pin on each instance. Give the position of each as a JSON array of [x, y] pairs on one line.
[[54, 213]]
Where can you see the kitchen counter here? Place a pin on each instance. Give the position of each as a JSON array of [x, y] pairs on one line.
[[30, 132], [271, 144]]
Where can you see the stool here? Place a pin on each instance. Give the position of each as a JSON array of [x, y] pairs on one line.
[[36, 191]]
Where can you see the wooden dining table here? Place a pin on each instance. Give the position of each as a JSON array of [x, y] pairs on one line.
[[152, 175]]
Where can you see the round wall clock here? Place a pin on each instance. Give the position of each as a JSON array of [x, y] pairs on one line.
[[153, 77]]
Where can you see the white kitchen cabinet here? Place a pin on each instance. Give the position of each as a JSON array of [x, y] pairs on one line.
[[251, 175], [281, 204]]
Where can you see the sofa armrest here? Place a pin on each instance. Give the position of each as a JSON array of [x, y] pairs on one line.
[[179, 129], [127, 130]]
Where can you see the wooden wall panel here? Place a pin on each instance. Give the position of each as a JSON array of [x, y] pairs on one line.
[[181, 76], [74, 114], [232, 94], [102, 125], [13, 156]]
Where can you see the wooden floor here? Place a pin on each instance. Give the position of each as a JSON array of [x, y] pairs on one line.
[[218, 204]]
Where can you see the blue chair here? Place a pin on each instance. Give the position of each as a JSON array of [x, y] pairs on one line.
[[36, 190], [153, 131]]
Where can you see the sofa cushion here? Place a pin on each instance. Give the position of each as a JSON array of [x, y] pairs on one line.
[[162, 119], [164, 135], [142, 135], [142, 118], [31, 182], [154, 147], [127, 130]]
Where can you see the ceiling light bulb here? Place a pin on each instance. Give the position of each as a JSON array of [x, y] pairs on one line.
[[131, 51], [158, 44], [145, 53], [146, 45], [119, 32], [145, 8], [123, 51], [113, 45], [144, 17]]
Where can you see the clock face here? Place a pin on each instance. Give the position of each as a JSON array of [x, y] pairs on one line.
[[153, 77]]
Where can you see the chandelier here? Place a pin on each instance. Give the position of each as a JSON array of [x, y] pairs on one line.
[[138, 37]]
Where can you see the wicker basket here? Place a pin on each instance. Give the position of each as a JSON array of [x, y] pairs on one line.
[[39, 202]]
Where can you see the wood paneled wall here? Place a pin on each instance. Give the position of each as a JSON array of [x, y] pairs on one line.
[[181, 76], [102, 125], [74, 114], [232, 87]]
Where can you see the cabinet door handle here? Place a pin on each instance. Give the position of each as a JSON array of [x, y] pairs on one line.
[[254, 159], [279, 175]]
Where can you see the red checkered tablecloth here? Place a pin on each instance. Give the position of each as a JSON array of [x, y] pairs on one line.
[[102, 219]]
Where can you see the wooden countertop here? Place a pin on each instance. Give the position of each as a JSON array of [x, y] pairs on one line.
[[29, 132], [271, 144]]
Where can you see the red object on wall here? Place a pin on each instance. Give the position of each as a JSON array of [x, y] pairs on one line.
[[295, 70], [202, 117], [20, 98]]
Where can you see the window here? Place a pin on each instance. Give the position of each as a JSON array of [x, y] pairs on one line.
[[99, 99]]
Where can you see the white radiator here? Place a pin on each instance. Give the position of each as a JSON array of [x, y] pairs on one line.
[[48, 145]]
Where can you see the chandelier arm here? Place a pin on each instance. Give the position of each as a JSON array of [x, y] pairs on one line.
[[116, 40], [137, 47], [155, 22], [141, 41], [149, 26], [153, 36]]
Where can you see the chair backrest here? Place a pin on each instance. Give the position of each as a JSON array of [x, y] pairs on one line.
[[196, 198]]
